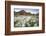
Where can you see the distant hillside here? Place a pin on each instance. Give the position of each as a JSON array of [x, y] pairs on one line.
[[22, 12]]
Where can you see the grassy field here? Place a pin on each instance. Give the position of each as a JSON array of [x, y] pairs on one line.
[[26, 21]]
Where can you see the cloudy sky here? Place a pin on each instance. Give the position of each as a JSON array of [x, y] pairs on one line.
[[33, 11]]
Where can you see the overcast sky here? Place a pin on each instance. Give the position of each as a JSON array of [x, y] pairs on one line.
[[33, 11]]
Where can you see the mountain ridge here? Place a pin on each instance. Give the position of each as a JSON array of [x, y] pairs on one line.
[[23, 12]]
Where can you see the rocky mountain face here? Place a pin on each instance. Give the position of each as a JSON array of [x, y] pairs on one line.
[[22, 12]]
